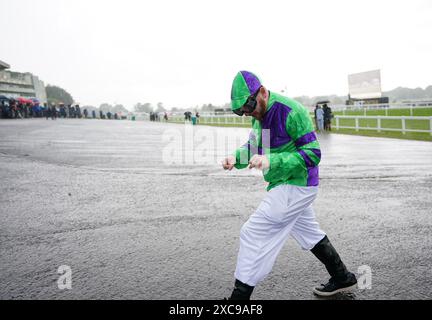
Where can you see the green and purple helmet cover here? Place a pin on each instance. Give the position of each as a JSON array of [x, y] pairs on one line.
[[245, 84]]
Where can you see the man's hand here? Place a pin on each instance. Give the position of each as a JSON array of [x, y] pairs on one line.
[[259, 162], [229, 162]]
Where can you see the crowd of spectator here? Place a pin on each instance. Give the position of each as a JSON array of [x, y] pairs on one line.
[[157, 116], [24, 108]]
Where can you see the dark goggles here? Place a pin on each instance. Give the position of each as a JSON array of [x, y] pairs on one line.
[[249, 105]]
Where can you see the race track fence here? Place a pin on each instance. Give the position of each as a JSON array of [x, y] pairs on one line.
[[425, 121], [402, 124], [225, 119], [344, 109], [218, 119]]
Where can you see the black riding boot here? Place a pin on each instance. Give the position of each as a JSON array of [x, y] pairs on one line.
[[241, 291], [341, 279]]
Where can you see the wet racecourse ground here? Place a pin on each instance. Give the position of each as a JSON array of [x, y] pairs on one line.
[[97, 196]]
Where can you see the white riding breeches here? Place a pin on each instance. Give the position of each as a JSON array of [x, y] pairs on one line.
[[286, 210]]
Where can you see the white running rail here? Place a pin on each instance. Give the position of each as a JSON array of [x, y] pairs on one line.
[[379, 127]]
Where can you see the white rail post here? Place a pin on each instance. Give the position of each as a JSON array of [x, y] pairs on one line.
[[243, 121], [379, 123], [386, 112], [365, 111], [337, 123], [411, 111], [357, 124], [403, 125], [430, 125], [226, 119]]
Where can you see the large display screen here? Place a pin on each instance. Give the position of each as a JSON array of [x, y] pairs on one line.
[[365, 85]]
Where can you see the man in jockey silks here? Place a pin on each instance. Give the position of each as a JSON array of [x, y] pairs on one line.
[[284, 146]]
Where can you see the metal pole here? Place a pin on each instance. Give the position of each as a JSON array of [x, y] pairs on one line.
[[403, 125], [356, 124]]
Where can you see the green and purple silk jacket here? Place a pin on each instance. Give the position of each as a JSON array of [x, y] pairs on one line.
[[286, 135]]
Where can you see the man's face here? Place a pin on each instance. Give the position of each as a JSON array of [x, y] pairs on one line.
[[261, 106]]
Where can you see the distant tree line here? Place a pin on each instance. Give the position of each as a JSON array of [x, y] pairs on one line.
[[401, 93], [58, 95], [148, 107], [106, 107]]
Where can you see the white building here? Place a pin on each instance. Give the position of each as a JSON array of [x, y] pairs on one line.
[[16, 84]]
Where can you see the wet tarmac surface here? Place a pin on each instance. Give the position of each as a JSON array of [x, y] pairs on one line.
[[97, 196]]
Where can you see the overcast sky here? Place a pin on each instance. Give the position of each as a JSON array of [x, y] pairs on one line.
[[186, 53]]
